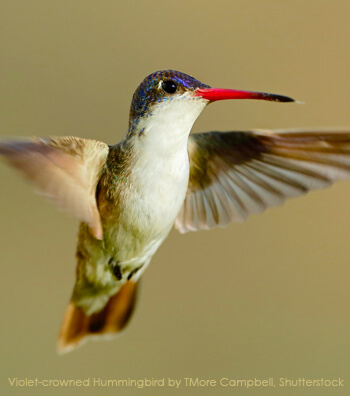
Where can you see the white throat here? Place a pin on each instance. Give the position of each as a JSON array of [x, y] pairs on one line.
[[168, 126]]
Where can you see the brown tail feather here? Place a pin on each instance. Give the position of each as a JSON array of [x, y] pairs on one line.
[[111, 319]]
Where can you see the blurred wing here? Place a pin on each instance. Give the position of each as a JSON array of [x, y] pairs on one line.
[[64, 169], [234, 174]]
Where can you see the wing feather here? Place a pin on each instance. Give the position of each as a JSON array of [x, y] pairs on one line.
[[64, 169], [234, 174]]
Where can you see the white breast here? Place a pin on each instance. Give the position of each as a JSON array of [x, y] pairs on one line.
[[161, 169]]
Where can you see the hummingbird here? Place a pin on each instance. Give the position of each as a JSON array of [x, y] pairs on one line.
[[129, 196]]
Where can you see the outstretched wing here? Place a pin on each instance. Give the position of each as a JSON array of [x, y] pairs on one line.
[[234, 174], [64, 169]]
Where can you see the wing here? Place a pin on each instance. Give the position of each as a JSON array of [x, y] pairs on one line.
[[64, 169], [234, 174]]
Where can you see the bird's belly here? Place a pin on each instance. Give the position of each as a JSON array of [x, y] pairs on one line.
[[145, 220], [137, 221]]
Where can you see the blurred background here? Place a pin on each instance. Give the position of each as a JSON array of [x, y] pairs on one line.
[[266, 298]]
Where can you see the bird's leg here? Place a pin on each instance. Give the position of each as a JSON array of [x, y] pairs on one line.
[[134, 271], [116, 268]]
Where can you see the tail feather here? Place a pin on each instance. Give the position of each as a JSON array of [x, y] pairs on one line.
[[77, 327]]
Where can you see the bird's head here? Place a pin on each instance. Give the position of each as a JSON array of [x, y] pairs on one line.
[[166, 93], [171, 98]]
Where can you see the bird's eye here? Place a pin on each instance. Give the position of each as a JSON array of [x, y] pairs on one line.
[[169, 86]]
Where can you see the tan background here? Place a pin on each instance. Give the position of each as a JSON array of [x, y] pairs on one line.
[[267, 298]]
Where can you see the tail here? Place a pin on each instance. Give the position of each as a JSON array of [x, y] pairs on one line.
[[77, 327]]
